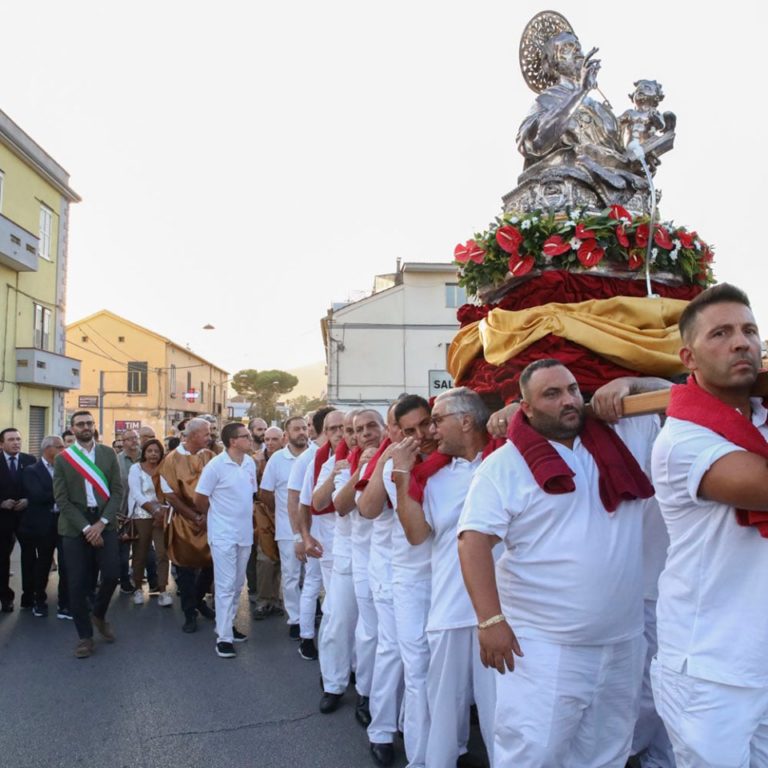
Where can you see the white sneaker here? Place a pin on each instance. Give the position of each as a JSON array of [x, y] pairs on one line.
[[138, 597], [165, 599]]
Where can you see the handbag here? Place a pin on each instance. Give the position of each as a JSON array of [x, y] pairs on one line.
[[185, 546], [127, 530]]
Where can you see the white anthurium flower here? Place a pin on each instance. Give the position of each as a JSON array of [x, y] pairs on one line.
[[513, 220], [526, 224], [575, 243], [673, 256], [575, 215], [678, 245], [654, 254]]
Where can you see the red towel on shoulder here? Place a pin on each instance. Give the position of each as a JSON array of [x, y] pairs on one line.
[[434, 463], [689, 402], [621, 478], [321, 456]]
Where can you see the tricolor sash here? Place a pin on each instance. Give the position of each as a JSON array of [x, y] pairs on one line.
[[84, 467]]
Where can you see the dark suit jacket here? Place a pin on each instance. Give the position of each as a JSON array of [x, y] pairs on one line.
[[38, 518], [10, 489], [69, 492]]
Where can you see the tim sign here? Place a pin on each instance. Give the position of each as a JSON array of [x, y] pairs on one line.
[[439, 381]]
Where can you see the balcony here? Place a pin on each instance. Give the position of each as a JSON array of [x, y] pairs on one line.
[[38, 368], [18, 248]]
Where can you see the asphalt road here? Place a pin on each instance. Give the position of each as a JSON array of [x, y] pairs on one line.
[[158, 698]]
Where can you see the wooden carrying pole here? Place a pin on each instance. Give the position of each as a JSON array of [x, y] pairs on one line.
[[656, 402]]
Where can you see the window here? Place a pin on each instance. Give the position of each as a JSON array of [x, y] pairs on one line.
[[455, 295], [121, 339], [137, 378], [2, 182], [42, 326], [202, 392], [189, 381], [46, 226], [172, 379], [214, 395]]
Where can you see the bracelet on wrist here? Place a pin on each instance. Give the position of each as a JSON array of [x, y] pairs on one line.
[[401, 471], [497, 619]]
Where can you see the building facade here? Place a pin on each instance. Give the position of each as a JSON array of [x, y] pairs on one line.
[[133, 377], [396, 339], [35, 372]]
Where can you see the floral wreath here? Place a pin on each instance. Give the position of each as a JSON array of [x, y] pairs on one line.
[[578, 241]]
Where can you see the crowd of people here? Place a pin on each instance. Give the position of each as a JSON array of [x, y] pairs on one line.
[[589, 583]]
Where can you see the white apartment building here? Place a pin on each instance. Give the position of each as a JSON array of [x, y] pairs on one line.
[[396, 339]]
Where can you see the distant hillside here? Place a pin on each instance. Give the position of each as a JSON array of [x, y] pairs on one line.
[[312, 380]]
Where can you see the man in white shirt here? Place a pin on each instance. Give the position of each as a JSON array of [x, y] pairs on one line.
[[274, 493], [570, 581], [710, 677], [456, 677], [225, 494]]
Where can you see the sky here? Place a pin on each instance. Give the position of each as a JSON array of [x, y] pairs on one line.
[[247, 164]]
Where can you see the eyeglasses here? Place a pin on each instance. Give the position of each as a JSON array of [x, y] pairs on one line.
[[83, 424], [246, 435], [438, 420]]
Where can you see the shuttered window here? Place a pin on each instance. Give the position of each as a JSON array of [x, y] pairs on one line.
[[36, 432]]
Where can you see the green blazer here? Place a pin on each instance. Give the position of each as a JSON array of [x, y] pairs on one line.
[[69, 492]]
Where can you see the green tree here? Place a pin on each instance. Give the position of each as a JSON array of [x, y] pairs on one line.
[[298, 406], [262, 389]]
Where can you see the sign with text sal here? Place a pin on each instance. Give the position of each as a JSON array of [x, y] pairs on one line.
[[439, 382]]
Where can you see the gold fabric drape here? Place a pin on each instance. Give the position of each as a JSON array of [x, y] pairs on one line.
[[636, 333]]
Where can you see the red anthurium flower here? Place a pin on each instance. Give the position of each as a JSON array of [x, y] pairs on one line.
[[685, 238], [662, 239], [621, 236], [509, 238], [520, 265], [470, 251], [618, 213], [636, 259], [641, 236], [584, 234], [554, 246], [590, 253]]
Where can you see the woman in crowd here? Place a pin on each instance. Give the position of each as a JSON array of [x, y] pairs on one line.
[[146, 507]]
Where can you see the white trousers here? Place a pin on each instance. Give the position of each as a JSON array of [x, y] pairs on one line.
[[366, 637], [411, 604], [290, 572], [387, 681], [456, 678], [712, 725], [229, 564], [310, 591], [324, 529], [337, 635], [568, 706], [650, 741]]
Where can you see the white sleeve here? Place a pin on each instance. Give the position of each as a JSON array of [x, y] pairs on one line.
[[340, 481], [305, 497], [485, 509], [135, 493], [268, 478], [208, 479], [389, 485]]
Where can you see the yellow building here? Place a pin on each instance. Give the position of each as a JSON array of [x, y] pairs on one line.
[[34, 220], [133, 377]]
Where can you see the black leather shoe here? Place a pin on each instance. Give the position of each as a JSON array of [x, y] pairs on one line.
[[469, 761], [330, 702], [363, 715], [190, 625], [383, 754], [206, 611]]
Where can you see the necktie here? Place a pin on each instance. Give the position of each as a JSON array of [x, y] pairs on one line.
[[13, 466]]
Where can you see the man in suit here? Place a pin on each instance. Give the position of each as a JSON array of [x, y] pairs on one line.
[[88, 491], [12, 504], [37, 530]]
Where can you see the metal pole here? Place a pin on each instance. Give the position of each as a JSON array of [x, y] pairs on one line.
[[101, 404]]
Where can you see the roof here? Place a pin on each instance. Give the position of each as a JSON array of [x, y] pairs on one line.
[[165, 339], [25, 147]]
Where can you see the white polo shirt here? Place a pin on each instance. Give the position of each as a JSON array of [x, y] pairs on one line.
[[409, 563], [275, 479], [299, 468], [230, 487], [380, 550], [712, 618], [444, 496], [360, 531], [571, 573]]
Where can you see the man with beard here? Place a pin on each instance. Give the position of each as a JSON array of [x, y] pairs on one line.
[[566, 495], [86, 486], [710, 680], [274, 493]]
